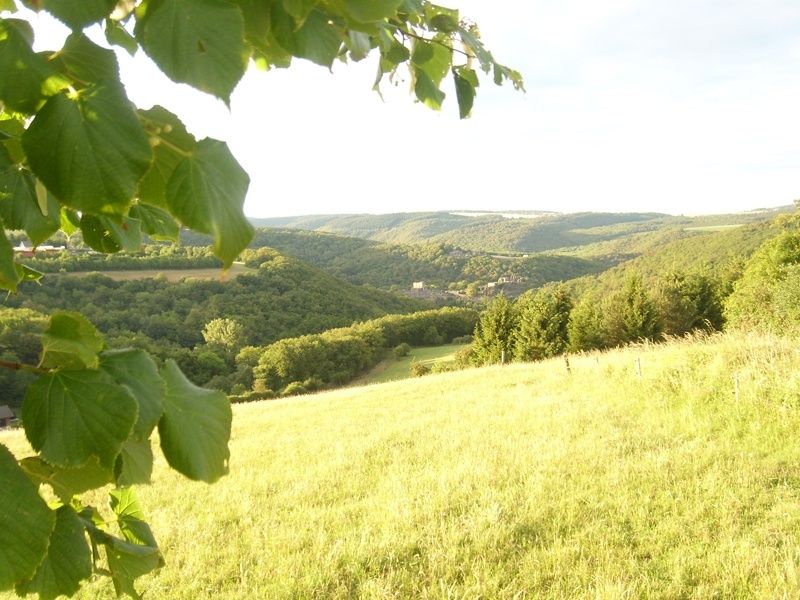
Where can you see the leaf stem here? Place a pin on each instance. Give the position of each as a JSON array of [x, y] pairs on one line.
[[18, 366]]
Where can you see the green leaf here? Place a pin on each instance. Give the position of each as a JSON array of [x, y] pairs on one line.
[[359, 45], [434, 58], [440, 18], [367, 11], [25, 77], [172, 143], [67, 483], [426, 90], [156, 222], [67, 563], [9, 275], [78, 15], [466, 81], [70, 221], [70, 416], [135, 370], [299, 9], [25, 523], [25, 273], [134, 463], [8, 5], [111, 234], [195, 428], [117, 35], [19, 205], [206, 192], [199, 42], [90, 151], [318, 40], [137, 556], [85, 62], [71, 342]]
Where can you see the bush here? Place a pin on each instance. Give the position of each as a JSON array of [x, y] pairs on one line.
[[294, 389], [251, 397], [419, 369], [444, 366], [462, 339], [401, 350], [464, 358]]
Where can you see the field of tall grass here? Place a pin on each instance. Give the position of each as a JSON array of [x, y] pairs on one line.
[[661, 471]]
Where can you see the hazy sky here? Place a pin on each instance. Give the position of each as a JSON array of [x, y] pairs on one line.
[[687, 106]]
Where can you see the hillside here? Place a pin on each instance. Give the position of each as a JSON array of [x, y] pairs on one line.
[[522, 481], [495, 232]]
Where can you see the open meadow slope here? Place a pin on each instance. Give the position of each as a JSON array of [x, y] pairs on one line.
[[524, 481]]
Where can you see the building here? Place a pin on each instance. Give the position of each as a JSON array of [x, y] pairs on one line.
[[6, 416], [418, 285]]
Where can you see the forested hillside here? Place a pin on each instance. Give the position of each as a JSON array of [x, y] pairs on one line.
[[284, 298], [495, 232]]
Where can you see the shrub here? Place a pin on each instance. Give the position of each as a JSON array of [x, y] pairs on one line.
[[462, 339], [294, 389], [419, 369], [444, 366], [401, 350]]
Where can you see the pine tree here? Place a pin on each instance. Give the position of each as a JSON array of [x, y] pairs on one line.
[[494, 334], [543, 320]]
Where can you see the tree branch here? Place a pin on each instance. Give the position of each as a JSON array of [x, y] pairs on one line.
[[18, 366]]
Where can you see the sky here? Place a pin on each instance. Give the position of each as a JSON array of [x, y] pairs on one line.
[[682, 107]]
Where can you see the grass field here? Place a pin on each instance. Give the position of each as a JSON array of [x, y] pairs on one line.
[[170, 274], [713, 227], [513, 482], [394, 369]]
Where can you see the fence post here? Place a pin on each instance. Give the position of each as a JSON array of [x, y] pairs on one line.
[[502, 357], [566, 362], [736, 387], [639, 367]]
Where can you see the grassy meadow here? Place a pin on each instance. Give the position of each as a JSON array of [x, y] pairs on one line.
[[172, 275], [394, 369], [524, 481]]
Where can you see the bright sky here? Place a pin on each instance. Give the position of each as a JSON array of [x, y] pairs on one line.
[[687, 106]]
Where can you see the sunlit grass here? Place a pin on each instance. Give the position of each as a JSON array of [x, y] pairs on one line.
[[393, 369], [522, 481]]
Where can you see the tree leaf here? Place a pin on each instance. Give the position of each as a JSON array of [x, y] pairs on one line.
[[137, 556], [70, 416], [117, 35], [25, 523], [70, 221], [156, 222], [434, 58], [67, 563], [67, 483], [90, 150], [24, 75], [440, 18], [172, 144], [318, 40], [206, 192], [134, 463], [111, 234], [426, 90], [85, 62], [199, 42], [19, 205], [8, 5], [70, 342], [135, 370], [78, 15], [299, 9], [9, 275], [466, 81], [367, 11], [195, 428]]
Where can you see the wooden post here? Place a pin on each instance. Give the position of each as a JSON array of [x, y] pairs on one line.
[[502, 357], [639, 367], [566, 362], [736, 387]]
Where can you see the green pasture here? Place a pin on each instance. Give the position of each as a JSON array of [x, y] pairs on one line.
[[393, 369], [524, 481]]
